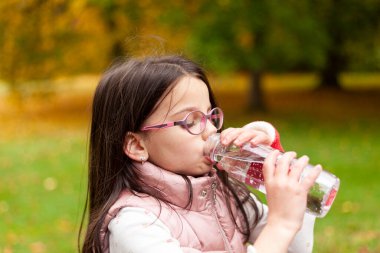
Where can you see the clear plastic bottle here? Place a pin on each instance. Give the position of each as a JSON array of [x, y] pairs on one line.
[[245, 164]]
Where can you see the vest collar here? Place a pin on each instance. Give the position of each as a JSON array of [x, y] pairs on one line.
[[175, 189]]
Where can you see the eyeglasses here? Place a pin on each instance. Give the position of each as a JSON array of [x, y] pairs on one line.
[[194, 122]]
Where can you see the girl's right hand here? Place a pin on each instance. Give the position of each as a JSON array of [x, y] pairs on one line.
[[286, 195]]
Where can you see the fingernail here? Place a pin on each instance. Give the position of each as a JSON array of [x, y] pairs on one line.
[[318, 166]]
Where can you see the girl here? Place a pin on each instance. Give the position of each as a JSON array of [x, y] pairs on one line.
[[150, 189]]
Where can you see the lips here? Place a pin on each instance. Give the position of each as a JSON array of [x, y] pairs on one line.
[[208, 161]]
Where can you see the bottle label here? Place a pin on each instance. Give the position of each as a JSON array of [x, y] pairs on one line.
[[255, 175], [331, 198]]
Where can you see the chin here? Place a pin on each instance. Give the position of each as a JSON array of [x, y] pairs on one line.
[[203, 170]]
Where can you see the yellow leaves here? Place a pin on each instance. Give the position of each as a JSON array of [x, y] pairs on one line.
[[41, 39], [11, 238], [7, 250], [245, 40], [78, 6], [34, 247], [350, 207], [65, 226], [369, 235], [37, 247], [4, 207], [329, 231], [50, 184]]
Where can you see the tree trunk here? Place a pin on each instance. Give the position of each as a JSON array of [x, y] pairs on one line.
[[256, 101], [329, 76], [335, 59]]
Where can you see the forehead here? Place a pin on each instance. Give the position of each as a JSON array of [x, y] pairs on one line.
[[189, 90], [189, 93]]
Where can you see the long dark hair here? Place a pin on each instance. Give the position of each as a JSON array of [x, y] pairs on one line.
[[125, 96]]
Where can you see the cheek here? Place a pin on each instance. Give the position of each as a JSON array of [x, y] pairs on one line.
[[175, 152]]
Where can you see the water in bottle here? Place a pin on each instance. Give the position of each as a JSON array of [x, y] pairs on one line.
[[245, 164]]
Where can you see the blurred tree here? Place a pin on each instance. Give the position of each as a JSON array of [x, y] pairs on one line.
[[352, 28], [272, 35], [43, 39], [117, 16], [136, 27], [255, 37], [40, 40]]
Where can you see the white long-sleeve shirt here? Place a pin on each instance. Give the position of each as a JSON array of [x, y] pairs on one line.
[[136, 230]]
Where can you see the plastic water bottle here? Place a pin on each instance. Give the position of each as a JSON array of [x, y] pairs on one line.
[[245, 164]]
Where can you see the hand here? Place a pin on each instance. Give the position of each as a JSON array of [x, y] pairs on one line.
[[241, 136], [286, 195]]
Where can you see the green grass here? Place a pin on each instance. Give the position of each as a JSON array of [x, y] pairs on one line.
[[350, 151], [42, 186], [339, 131], [43, 168], [41, 193]]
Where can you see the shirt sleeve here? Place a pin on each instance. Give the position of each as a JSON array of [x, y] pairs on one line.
[[251, 249], [303, 240], [136, 230]]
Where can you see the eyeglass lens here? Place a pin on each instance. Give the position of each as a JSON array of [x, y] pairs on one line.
[[217, 118], [196, 121]]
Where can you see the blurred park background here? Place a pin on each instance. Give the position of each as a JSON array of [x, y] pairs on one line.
[[312, 68]]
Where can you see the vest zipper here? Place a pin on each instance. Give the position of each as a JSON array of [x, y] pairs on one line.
[[224, 236]]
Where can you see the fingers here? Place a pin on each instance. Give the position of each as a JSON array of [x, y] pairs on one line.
[[229, 135], [260, 138], [269, 167], [277, 164], [284, 164], [297, 167], [286, 167], [240, 136], [309, 180]]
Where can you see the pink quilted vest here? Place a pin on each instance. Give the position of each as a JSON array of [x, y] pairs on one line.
[[206, 226]]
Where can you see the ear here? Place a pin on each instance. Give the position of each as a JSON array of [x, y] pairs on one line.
[[135, 148]]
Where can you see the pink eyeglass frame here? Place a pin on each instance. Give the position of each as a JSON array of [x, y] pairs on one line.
[[183, 122]]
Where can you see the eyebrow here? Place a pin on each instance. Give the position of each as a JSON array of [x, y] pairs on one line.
[[189, 109]]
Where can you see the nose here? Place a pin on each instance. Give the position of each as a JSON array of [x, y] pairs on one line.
[[209, 130]]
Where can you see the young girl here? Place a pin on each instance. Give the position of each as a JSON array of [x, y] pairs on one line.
[[150, 189]]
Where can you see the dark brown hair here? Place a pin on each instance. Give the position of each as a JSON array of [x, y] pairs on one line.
[[125, 96]]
